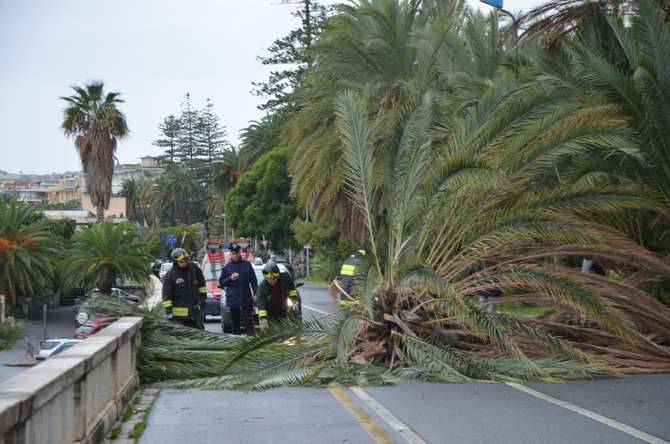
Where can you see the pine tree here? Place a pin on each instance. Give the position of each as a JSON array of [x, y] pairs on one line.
[[188, 150], [212, 136], [291, 50], [170, 129]]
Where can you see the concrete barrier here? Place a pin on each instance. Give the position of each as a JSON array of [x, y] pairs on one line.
[[74, 397]]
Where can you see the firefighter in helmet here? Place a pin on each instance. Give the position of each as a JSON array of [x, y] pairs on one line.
[[184, 291], [276, 294], [347, 273]]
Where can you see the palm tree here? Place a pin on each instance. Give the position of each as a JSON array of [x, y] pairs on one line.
[[258, 138], [29, 252], [635, 83], [392, 50], [225, 176], [130, 190], [93, 119], [498, 188], [486, 219], [104, 253], [178, 197]]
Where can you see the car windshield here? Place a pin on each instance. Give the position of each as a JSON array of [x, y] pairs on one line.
[[85, 329], [212, 270], [48, 345]]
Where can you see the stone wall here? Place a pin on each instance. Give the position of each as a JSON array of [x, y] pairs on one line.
[[74, 397]]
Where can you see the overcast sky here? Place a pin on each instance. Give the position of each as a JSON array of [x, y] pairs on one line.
[[153, 51]]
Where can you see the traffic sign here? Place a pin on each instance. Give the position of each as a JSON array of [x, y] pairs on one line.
[[171, 239], [494, 3]]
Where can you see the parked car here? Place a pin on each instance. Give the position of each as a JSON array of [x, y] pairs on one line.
[[296, 310], [165, 267], [124, 296], [91, 327], [52, 347]]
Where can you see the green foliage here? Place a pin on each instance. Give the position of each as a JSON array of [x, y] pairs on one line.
[[115, 433], [259, 138], [69, 205], [291, 54], [29, 252], [178, 197], [104, 253], [326, 239], [169, 129], [63, 228], [192, 235], [9, 334], [260, 204], [310, 353]]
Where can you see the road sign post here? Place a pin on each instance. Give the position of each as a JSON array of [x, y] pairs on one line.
[[498, 4]]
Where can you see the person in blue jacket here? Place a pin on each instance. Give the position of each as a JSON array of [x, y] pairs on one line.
[[239, 281]]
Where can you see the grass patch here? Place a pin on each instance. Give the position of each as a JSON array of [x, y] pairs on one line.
[[116, 432], [9, 334], [528, 312], [140, 427], [128, 413]]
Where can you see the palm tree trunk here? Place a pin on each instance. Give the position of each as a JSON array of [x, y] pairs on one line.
[[100, 214]]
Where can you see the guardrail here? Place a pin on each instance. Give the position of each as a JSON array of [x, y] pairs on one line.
[[74, 397]]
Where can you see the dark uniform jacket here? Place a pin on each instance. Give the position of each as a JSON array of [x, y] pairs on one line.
[[264, 296], [184, 288], [240, 291]]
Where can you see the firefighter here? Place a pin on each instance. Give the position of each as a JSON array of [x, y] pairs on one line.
[[276, 294], [184, 291], [348, 271]]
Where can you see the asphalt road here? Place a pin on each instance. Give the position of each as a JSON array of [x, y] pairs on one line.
[[629, 410], [316, 302]]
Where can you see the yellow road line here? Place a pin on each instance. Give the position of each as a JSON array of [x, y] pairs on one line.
[[379, 435]]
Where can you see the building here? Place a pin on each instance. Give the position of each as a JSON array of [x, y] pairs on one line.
[[148, 167], [66, 189], [28, 191], [80, 217], [117, 207]]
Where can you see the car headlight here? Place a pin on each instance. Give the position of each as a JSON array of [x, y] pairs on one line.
[[289, 303], [82, 317]]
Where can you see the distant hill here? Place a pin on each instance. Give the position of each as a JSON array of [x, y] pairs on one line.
[[43, 177]]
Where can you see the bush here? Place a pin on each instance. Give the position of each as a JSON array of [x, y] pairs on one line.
[[9, 334]]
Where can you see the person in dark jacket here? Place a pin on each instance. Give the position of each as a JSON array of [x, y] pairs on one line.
[[274, 294], [239, 281], [184, 291]]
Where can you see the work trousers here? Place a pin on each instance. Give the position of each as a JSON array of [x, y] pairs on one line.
[[241, 318]]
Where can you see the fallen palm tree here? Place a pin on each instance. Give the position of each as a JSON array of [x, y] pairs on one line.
[[444, 224]]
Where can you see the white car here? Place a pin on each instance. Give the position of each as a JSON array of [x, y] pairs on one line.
[[167, 266], [52, 347]]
